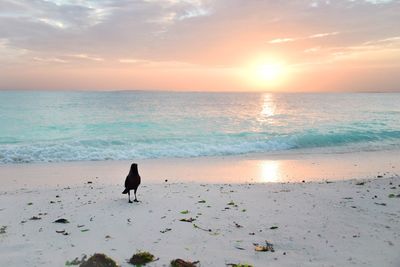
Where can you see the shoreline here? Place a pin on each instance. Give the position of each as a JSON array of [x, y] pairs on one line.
[[250, 168]]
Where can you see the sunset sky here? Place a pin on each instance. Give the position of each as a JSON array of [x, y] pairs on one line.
[[200, 45]]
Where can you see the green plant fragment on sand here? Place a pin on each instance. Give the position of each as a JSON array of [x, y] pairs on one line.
[[76, 261], [141, 258]]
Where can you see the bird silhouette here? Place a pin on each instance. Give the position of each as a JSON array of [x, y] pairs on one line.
[[132, 182]]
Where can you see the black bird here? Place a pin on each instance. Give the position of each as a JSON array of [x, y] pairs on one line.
[[132, 181]]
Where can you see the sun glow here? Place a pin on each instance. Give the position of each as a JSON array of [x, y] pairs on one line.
[[266, 73]]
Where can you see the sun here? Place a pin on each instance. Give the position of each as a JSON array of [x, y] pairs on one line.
[[264, 73], [268, 72]]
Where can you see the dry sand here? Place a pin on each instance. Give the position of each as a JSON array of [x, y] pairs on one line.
[[341, 223]]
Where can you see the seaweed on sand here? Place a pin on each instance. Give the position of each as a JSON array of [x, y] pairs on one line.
[[142, 258], [182, 263], [99, 260]]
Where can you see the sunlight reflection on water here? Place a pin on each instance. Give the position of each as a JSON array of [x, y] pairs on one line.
[[268, 108]]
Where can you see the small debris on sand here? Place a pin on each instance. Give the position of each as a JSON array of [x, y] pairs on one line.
[[187, 220], [268, 247], [62, 220], [237, 225], [231, 203], [63, 233], [201, 228], [3, 230]]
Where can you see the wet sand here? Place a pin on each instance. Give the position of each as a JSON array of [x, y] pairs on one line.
[[255, 168]]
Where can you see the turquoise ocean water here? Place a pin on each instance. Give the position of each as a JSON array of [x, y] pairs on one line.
[[76, 126]]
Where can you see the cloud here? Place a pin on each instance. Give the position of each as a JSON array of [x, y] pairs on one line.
[[313, 36], [282, 40], [171, 30], [389, 41], [193, 13], [54, 23], [377, 2], [321, 35], [210, 33], [52, 59], [87, 57]]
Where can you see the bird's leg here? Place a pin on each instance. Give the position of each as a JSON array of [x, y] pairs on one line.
[[129, 197], [135, 197]]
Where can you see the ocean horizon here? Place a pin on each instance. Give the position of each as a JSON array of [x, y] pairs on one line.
[[45, 126]]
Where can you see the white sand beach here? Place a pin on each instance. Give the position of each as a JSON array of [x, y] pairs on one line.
[[256, 133], [326, 223]]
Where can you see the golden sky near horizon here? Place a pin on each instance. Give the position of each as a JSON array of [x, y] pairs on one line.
[[200, 45]]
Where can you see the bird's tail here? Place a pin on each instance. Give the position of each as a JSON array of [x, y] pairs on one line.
[[125, 191]]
